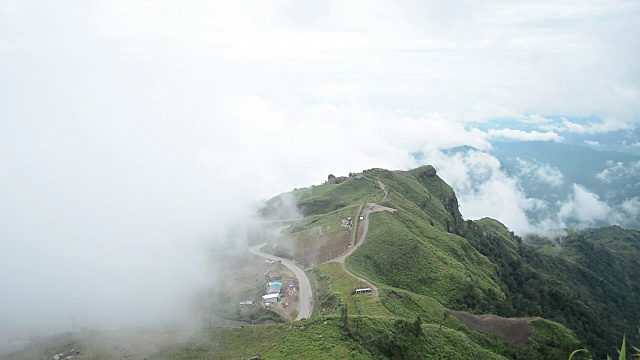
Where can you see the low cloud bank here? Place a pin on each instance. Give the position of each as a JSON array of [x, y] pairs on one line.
[[484, 188]]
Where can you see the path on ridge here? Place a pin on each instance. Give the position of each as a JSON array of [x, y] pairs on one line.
[[368, 209]]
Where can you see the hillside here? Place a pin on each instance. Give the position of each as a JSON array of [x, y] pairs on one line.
[[439, 286]]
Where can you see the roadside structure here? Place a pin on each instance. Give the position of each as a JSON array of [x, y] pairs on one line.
[[270, 298]]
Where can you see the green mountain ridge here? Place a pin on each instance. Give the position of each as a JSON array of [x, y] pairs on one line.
[[588, 283]]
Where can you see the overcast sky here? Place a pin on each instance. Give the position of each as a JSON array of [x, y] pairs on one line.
[[132, 132]]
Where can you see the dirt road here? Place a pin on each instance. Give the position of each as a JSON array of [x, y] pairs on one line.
[[306, 296], [368, 209]]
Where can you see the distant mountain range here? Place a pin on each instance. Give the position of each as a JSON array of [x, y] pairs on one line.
[[570, 185]]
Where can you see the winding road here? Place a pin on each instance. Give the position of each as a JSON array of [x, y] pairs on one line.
[[368, 209], [306, 296]]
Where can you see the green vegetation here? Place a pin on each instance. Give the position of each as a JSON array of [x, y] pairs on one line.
[[434, 262], [320, 338], [585, 285], [343, 286], [226, 343], [312, 191], [411, 339], [550, 340]]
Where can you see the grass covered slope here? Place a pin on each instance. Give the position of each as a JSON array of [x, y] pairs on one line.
[[323, 337], [414, 248], [412, 255]]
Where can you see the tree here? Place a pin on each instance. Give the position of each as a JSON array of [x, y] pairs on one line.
[[417, 326], [343, 317]]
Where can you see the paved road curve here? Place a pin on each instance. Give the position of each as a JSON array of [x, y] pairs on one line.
[[305, 294]]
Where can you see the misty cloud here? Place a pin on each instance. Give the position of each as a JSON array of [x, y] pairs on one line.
[[631, 207], [586, 208], [484, 189], [347, 91], [619, 170], [525, 136], [544, 173], [535, 119], [605, 125]]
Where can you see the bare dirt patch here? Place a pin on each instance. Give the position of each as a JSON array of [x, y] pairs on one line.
[[335, 246], [404, 173], [514, 331], [395, 295], [374, 208]]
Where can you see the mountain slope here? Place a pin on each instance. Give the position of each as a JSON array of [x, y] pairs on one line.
[[428, 249]]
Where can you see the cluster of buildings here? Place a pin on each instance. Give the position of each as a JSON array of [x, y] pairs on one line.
[[274, 286], [274, 289]]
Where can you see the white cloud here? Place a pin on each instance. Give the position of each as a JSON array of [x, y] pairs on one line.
[[346, 91], [483, 189], [631, 207], [524, 135], [536, 119], [558, 61], [586, 208], [541, 172], [592, 143], [605, 126], [619, 170]]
